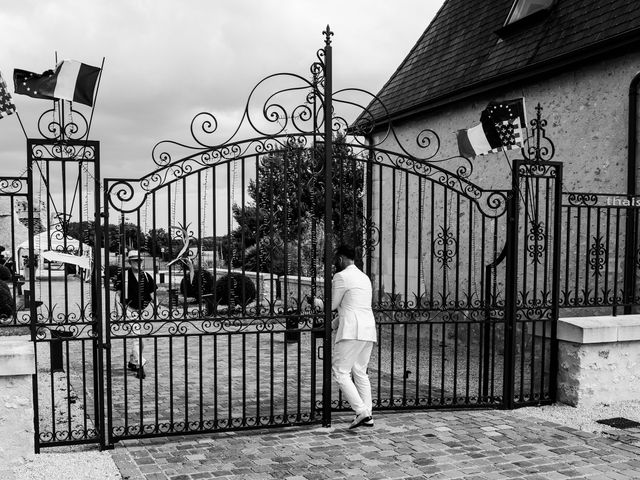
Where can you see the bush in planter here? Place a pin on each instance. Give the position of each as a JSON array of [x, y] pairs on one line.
[[114, 274], [235, 289], [7, 304], [5, 274], [201, 285]]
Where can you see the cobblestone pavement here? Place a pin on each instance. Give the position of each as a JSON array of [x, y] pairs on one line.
[[470, 444]]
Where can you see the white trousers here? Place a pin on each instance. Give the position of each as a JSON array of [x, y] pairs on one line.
[[350, 359], [136, 344], [135, 354]]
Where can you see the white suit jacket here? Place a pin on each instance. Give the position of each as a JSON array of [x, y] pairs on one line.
[[351, 295]]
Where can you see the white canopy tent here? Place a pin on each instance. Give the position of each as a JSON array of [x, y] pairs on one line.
[[50, 245]]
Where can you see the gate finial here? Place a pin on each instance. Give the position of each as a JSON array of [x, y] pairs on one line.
[[539, 148], [327, 35]]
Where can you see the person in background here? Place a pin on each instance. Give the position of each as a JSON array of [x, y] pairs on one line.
[[136, 294], [351, 296]]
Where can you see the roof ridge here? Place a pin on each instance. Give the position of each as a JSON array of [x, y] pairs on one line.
[[512, 73], [461, 51]]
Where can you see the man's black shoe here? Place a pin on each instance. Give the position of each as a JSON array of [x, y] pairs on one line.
[[360, 420], [141, 373]]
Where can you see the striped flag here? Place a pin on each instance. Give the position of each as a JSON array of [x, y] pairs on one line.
[[501, 128], [71, 80], [6, 103]]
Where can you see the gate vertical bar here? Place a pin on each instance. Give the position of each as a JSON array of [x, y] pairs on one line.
[[630, 242], [96, 300], [32, 289], [328, 228], [555, 284], [369, 210], [107, 320], [510, 289]]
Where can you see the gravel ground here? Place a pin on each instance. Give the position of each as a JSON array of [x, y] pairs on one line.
[[584, 417], [79, 463]]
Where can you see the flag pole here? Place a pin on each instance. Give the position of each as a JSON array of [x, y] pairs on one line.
[[522, 197], [21, 125], [57, 103], [95, 98]]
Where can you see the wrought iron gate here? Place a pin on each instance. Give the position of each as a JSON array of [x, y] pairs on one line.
[[237, 234], [14, 198], [63, 280]]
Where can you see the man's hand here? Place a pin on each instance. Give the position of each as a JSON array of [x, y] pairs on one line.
[[316, 303]]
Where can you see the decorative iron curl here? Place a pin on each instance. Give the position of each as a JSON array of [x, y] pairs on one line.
[[131, 328], [537, 241], [77, 330], [361, 130], [597, 256], [58, 129], [317, 68], [495, 203], [205, 125], [537, 170], [428, 140], [582, 199], [121, 191], [13, 185], [66, 435], [372, 236], [62, 150]]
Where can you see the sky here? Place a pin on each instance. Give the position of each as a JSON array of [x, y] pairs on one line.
[[165, 61]]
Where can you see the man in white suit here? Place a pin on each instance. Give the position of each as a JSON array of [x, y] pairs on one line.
[[355, 327]]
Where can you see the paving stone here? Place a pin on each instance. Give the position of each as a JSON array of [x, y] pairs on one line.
[[439, 445], [155, 476]]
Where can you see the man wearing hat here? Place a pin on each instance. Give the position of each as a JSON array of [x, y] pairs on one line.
[[136, 293]]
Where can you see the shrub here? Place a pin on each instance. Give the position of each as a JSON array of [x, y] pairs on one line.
[[7, 304], [235, 289], [202, 284], [114, 275], [5, 273]]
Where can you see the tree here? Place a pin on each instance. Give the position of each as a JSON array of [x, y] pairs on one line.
[[157, 241], [288, 204]]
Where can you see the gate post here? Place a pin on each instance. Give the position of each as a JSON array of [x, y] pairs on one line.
[[532, 283], [76, 326], [328, 228]]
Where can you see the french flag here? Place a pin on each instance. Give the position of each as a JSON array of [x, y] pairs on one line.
[[72, 80], [501, 127]]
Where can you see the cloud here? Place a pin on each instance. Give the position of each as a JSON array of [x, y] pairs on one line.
[[168, 60]]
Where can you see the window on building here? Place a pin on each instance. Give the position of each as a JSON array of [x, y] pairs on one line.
[[524, 8]]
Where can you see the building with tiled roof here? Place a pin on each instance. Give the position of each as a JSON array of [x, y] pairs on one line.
[[577, 58]]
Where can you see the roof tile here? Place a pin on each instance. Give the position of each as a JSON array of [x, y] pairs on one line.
[[460, 47]]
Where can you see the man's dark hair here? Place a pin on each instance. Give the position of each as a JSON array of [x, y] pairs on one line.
[[347, 251]]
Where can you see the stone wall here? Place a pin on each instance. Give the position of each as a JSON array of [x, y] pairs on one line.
[[586, 110], [598, 359], [301, 287], [17, 364], [12, 233]]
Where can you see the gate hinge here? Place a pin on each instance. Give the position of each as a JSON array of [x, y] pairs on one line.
[[320, 351], [106, 346]]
